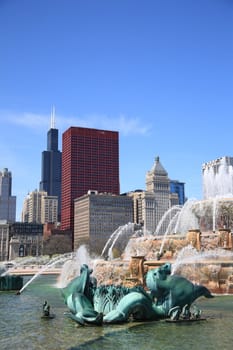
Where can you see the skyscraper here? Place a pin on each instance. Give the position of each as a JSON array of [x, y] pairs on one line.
[[150, 206], [51, 165], [90, 161], [178, 187], [7, 201], [97, 216], [40, 208], [156, 196]]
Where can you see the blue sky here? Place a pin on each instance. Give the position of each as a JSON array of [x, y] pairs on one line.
[[158, 71]]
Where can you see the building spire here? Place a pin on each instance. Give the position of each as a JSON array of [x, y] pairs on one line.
[[52, 119]]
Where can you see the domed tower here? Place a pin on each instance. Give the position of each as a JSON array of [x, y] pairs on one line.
[[157, 180], [157, 194]]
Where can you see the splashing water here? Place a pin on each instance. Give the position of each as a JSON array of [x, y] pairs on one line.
[[46, 267], [218, 179], [23, 261], [189, 255], [120, 235], [167, 218], [71, 267]]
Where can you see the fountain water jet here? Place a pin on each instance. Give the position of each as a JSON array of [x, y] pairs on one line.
[[186, 220], [206, 215], [124, 232], [168, 216], [218, 178], [49, 265], [213, 268], [71, 266]]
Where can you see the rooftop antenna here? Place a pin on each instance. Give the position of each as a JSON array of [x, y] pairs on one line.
[[52, 121]]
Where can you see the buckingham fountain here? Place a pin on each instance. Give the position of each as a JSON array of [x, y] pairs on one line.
[[152, 277], [201, 248], [195, 238], [122, 294], [173, 268]]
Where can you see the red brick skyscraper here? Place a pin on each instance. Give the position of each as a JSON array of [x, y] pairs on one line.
[[90, 161]]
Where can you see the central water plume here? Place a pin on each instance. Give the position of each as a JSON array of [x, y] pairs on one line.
[[218, 178]]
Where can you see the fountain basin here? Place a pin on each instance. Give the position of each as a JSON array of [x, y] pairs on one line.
[[214, 274], [11, 282], [28, 271]]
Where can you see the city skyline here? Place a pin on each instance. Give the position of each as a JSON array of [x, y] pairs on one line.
[[159, 73]]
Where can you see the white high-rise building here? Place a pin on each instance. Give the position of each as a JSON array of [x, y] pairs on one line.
[[7, 201], [150, 205], [157, 195], [4, 240], [40, 208], [49, 209]]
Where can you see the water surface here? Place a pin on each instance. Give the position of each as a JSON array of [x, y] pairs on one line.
[[21, 326]]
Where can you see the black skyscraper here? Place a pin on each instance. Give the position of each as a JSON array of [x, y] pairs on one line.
[[51, 166]]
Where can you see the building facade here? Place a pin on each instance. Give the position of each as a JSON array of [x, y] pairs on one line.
[[51, 166], [157, 198], [90, 161], [20, 239], [138, 207], [4, 240], [97, 216], [177, 187], [49, 209], [7, 201], [40, 208], [174, 199], [26, 239], [151, 205]]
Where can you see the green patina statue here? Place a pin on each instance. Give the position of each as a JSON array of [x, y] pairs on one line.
[[46, 314], [79, 296], [46, 309], [169, 296]]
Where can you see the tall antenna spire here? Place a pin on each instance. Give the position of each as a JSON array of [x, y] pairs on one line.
[[52, 120]]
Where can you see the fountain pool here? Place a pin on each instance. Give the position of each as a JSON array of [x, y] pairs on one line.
[[22, 328]]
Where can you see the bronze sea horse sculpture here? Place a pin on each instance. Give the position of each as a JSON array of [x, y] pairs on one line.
[[168, 295]]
